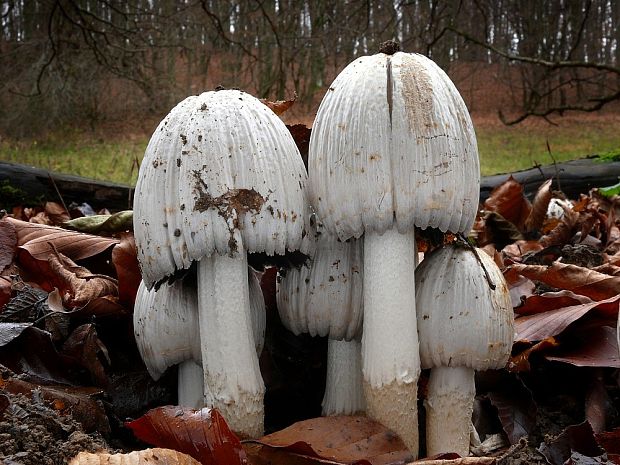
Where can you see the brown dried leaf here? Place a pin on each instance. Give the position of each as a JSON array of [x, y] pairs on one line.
[[516, 410], [39, 241], [519, 248], [8, 244], [84, 346], [508, 200], [125, 260], [56, 213], [79, 285], [597, 401], [340, 439], [547, 324], [280, 106], [140, 457], [520, 290], [539, 207], [564, 230], [591, 347], [550, 301], [574, 278], [521, 361], [203, 434]]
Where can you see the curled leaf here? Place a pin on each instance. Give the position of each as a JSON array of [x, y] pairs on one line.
[[280, 106], [538, 212], [102, 224], [508, 200]]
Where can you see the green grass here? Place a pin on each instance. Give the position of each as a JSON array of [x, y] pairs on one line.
[[110, 160], [502, 149], [505, 149]]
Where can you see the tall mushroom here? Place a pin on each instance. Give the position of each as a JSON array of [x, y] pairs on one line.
[[221, 176], [167, 333], [324, 298], [392, 147], [465, 323]]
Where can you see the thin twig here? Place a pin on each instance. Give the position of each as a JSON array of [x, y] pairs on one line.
[[58, 192], [469, 245]]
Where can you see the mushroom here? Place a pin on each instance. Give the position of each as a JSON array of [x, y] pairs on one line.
[[221, 177], [465, 323], [324, 298], [392, 147], [167, 333]]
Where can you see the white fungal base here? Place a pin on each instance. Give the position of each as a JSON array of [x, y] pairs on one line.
[[233, 382], [343, 388], [390, 358], [191, 385], [449, 408]]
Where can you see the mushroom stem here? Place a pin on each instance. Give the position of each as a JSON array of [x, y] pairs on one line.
[[390, 357], [343, 388], [190, 385], [233, 383], [449, 407]]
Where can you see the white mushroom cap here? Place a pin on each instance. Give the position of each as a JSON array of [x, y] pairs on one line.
[[219, 162], [166, 327], [393, 142], [166, 324], [461, 320], [324, 296]]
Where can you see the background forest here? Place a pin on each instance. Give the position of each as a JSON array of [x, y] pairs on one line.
[[119, 66]]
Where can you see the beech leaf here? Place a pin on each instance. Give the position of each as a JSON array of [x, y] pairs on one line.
[[125, 260], [280, 106], [39, 241], [539, 207], [541, 326], [341, 439], [580, 280], [521, 361], [591, 347], [508, 200], [8, 243], [550, 301], [102, 224], [203, 434]]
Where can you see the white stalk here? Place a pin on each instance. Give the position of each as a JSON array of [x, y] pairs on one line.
[[343, 388], [390, 358], [233, 383], [449, 407], [190, 385]]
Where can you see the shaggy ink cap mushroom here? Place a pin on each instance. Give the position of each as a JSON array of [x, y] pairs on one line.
[[324, 298], [464, 324], [167, 333], [221, 176], [390, 149]]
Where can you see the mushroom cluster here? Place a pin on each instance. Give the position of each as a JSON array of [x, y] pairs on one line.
[[391, 145], [392, 148], [221, 177]]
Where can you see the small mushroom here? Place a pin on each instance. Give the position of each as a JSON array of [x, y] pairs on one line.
[[324, 298], [167, 333], [465, 323], [221, 177]]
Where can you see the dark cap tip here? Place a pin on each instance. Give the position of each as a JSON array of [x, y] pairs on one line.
[[389, 47]]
